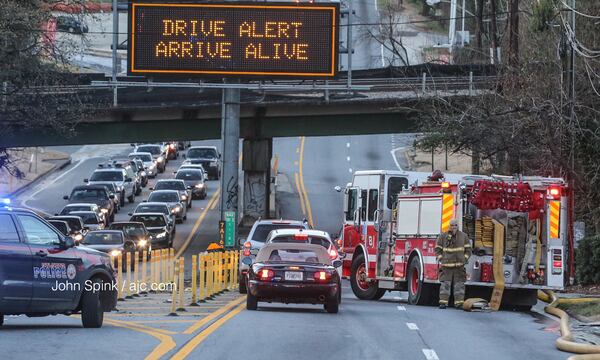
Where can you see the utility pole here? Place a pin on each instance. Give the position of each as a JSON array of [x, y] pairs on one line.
[[230, 135], [115, 44]]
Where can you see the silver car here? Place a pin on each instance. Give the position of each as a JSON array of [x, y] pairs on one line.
[[175, 184], [171, 198]]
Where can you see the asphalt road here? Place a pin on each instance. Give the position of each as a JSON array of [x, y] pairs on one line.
[[222, 329]]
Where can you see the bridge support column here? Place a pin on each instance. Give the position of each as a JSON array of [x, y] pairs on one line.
[[230, 135], [256, 163]]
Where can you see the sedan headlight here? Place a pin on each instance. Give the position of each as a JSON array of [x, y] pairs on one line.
[[115, 253], [161, 235], [183, 197], [176, 209], [142, 243], [143, 173], [199, 186], [160, 159]]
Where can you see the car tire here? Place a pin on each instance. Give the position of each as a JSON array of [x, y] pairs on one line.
[[332, 306], [138, 190], [112, 217], [251, 302], [1, 319], [242, 285], [122, 198], [362, 290], [185, 217], [131, 198], [92, 313], [189, 205], [203, 196]]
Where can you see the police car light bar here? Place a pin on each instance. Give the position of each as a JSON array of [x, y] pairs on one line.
[[4, 201]]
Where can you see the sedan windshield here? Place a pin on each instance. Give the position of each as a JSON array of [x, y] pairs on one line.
[[189, 175], [163, 197], [129, 229], [69, 209], [74, 223], [293, 255], [202, 153], [88, 218], [116, 175], [262, 231], [152, 209], [102, 239], [152, 149], [143, 157], [310, 240], [149, 220], [170, 185], [84, 195]]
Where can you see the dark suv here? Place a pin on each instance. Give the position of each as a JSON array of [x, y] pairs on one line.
[[94, 194], [42, 273]]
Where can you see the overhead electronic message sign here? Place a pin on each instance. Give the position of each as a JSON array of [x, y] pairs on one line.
[[234, 39]]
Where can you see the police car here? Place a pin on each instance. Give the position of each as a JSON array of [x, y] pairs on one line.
[[42, 273]]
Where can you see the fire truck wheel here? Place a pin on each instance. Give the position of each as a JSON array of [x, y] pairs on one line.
[[419, 293], [362, 288]]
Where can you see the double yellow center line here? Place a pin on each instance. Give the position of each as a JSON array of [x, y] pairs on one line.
[[299, 177]]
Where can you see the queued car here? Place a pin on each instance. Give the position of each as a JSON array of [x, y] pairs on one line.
[[256, 240], [35, 257], [148, 161], [122, 177], [135, 232], [316, 237], [141, 171], [112, 190], [208, 157], [91, 220], [158, 155], [293, 273], [173, 199], [193, 179], [61, 226], [112, 242], [175, 184], [161, 233], [193, 166], [157, 207], [76, 207], [78, 229], [93, 194]]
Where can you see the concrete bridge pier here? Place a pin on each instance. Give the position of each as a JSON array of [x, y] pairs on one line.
[[256, 164]]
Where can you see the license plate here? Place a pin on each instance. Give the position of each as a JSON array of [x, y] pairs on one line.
[[293, 275]]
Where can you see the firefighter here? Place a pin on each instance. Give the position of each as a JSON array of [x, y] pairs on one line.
[[453, 250]]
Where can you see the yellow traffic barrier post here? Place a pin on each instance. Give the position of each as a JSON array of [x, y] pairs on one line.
[[163, 261], [227, 270], [144, 282], [236, 268], [194, 280], [174, 296], [120, 277], [181, 284], [202, 271], [136, 273], [152, 271], [219, 273], [210, 276], [128, 282], [231, 269], [172, 261]]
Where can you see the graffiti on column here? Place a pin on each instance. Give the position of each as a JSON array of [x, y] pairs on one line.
[[232, 194]]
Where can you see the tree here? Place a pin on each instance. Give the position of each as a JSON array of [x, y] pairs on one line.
[[33, 74], [523, 123]]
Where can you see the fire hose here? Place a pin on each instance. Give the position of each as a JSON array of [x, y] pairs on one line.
[[565, 342]]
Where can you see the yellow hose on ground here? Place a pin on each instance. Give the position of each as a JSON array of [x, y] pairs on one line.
[[565, 342]]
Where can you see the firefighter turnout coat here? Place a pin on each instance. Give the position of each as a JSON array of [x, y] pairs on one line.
[[453, 252]]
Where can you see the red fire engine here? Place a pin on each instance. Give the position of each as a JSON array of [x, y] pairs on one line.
[[391, 226]]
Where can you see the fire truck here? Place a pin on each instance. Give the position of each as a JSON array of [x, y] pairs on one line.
[[391, 224]]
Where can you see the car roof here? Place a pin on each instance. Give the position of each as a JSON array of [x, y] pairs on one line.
[[84, 212], [58, 217], [107, 169], [188, 169], [140, 153], [16, 210], [127, 223], [288, 232], [105, 231], [167, 180], [88, 187], [148, 214], [265, 252], [278, 222], [165, 191], [202, 147]]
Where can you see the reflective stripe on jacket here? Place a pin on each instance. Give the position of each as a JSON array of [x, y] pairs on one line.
[[453, 250]]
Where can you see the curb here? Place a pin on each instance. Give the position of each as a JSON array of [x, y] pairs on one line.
[[56, 167]]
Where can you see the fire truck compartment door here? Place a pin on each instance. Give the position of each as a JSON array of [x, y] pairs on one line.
[[419, 216]]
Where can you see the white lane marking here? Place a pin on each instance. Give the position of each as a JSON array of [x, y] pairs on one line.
[[382, 59], [430, 354], [412, 326], [348, 158], [347, 144], [393, 153], [397, 298], [350, 170], [401, 308]]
